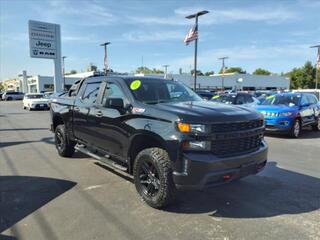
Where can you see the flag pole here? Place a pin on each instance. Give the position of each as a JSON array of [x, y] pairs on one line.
[[196, 15], [195, 58]]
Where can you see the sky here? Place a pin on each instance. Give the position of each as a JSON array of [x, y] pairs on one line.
[[275, 35]]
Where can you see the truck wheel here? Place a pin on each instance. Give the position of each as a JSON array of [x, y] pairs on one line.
[[316, 127], [295, 129], [64, 146], [153, 177]]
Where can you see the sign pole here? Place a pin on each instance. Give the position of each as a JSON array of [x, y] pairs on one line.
[[58, 85]]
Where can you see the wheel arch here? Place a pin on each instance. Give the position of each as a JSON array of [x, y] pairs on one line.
[[142, 141]]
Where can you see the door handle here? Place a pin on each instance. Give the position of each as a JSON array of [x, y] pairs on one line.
[[99, 114], [77, 109]]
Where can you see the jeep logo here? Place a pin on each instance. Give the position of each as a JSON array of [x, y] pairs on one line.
[[43, 44]]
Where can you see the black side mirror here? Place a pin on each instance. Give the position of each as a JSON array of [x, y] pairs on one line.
[[116, 103]]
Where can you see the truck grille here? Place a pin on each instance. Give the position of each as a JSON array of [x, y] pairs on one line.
[[236, 126], [238, 146], [236, 138]]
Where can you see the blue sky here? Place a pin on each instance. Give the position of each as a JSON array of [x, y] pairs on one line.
[[274, 35]]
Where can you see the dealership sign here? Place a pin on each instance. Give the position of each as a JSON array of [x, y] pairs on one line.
[[45, 42], [43, 39]]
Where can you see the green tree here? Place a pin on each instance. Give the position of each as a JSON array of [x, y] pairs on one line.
[[1, 87], [260, 71], [233, 70], [146, 70], [209, 73], [199, 73], [303, 77]]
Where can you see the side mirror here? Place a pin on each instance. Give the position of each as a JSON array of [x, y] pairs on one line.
[[116, 103]]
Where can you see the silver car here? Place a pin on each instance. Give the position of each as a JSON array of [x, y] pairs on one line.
[[8, 96]]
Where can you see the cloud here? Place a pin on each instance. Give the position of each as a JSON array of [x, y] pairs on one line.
[[247, 54], [141, 36], [82, 13], [220, 16]]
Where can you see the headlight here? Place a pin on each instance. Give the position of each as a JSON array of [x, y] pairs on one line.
[[196, 145], [194, 128], [285, 114]]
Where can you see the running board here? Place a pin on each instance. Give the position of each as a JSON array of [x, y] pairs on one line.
[[106, 160]]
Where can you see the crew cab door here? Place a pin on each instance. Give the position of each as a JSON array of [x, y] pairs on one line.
[[85, 100], [111, 134]]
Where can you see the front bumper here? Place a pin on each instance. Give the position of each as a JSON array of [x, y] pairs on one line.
[[40, 106], [278, 124], [206, 170]]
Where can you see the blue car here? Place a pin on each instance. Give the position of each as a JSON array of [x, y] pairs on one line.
[[289, 112]]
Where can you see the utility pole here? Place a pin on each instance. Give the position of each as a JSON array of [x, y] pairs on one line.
[[63, 74], [105, 60], [165, 70], [196, 15], [223, 67], [317, 64]]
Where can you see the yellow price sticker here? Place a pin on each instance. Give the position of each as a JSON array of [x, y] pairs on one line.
[[270, 97], [135, 84], [215, 97]]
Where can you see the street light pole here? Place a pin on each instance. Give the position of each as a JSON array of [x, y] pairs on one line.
[[165, 70], [223, 67], [105, 60], [317, 64], [196, 15], [63, 72]]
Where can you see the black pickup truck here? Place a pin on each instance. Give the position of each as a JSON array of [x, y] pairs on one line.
[[160, 132]]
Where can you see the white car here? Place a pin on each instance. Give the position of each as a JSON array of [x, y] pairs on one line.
[[35, 101]]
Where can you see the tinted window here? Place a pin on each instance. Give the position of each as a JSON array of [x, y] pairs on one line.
[[288, 100], [90, 93], [312, 99], [249, 99], [241, 99], [304, 100], [112, 91], [154, 91]]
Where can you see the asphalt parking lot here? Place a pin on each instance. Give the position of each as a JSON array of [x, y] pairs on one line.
[[44, 196]]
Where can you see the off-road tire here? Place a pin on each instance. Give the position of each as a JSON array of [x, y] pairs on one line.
[[316, 127], [293, 131], [166, 192], [64, 146]]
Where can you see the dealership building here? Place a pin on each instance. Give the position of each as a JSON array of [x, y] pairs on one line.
[[38, 83], [240, 81]]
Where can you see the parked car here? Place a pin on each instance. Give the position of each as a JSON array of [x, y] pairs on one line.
[[240, 98], [8, 96], [289, 112], [159, 131], [315, 92], [33, 101], [207, 95]]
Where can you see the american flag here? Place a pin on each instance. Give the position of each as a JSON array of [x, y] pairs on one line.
[[192, 35]]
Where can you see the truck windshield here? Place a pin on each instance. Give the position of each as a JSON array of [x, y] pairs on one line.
[[288, 100], [153, 91]]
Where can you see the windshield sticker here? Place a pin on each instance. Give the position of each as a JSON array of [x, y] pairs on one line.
[[135, 84], [215, 97], [270, 97]]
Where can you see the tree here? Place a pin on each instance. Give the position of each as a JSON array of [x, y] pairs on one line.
[[1, 87], [260, 71], [73, 71], [303, 77], [199, 73], [233, 70], [146, 70], [209, 73]]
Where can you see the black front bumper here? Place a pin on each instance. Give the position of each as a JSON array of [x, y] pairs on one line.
[[206, 170]]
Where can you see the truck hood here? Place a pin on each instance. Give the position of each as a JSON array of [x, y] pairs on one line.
[[208, 112]]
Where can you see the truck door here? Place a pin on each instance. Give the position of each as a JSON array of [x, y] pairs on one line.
[[82, 105], [111, 133]]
